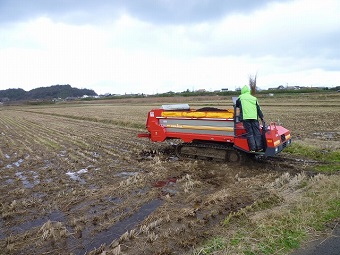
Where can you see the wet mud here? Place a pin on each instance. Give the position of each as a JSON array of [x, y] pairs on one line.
[[162, 204], [79, 187]]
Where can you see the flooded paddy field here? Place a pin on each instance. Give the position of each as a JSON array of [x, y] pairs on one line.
[[76, 179]]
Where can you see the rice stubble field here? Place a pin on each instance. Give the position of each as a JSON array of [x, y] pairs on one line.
[[76, 179]]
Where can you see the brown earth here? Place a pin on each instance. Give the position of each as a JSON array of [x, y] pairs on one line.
[[79, 186]]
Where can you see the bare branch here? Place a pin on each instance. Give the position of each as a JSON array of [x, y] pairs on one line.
[[252, 84]]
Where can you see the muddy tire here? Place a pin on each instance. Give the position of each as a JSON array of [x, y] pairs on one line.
[[233, 156]]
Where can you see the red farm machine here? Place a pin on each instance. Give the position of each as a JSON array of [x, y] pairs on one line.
[[210, 133]]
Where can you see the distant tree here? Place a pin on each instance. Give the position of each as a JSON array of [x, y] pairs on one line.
[[252, 84], [13, 94], [55, 91]]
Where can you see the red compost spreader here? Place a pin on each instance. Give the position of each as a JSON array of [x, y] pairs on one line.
[[210, 133]]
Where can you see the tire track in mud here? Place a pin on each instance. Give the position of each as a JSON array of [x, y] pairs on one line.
[[197, 205], [65, 199], [122, 202], [278, 164], [187, 219]]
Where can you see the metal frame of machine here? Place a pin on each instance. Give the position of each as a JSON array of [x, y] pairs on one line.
[[210, 127]]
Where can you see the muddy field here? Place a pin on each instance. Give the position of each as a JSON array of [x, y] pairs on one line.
[[75, 179]]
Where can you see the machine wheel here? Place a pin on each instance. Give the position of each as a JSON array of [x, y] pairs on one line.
[[233, 156], [208, 152]]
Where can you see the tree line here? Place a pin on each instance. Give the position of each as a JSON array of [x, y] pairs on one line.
[[45, 93]]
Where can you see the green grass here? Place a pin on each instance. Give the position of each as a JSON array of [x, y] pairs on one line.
[[314, 152], [282, 230], [277, 238], [329, 159], [333, 212], [285, 232], [237, 239], [331, 168], [212, 245], [280, 227]]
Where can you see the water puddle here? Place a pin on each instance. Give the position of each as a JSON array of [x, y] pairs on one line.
[[81, 206], [94, 241], [39, 194], [24, 180], [75, 175], [114, 200], [48, 164], [48, 180], [126, 174], [93, 186], [92, 208], [140, 191], [53, 216], [17, 164], [61, 154], [27, 184], [95, 210], [9, 181]]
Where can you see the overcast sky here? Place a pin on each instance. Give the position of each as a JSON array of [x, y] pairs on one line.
[[155, 46]]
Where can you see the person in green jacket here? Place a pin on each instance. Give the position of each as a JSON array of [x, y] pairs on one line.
[[250, 111]]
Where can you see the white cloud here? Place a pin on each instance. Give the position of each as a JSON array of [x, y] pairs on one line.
[[290, 42]]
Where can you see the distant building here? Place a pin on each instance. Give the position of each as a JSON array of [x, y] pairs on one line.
[[71, 98], [201, 90], [293, 87], [281, 87]]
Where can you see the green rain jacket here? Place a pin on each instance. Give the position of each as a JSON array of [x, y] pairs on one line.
[[250, 109]]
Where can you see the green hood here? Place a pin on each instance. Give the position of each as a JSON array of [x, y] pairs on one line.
[[245, 89]]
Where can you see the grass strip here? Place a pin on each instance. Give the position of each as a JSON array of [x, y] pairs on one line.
[[304, 212], [330, 158]]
